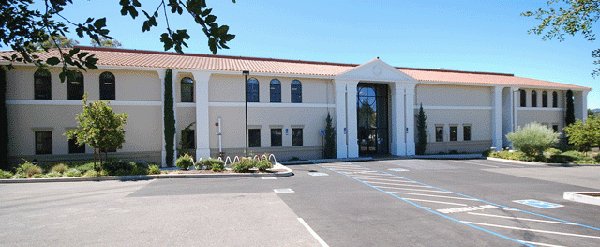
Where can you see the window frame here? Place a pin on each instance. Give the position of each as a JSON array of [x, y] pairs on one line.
[[107, 92], [253, 133], [42, 80], [296, 91], [522, 98], [545, 99], [533, 98], [295, 141], [74, 91], [275, 90], [186, 83], [253, 90], [276, 137], [554, 99], [453, 136], [467, 135], [73, 148], [46, 142], [439, 133]]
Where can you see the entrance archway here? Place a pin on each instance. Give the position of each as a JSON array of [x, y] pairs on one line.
[[372, 118]]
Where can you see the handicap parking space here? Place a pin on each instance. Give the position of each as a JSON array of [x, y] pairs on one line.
[[511, 220]]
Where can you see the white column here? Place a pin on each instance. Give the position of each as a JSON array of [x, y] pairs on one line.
[[174, 81], [340, 119], [398, 142], [580, 102], [351, 120], [515, 105], [161, 78], [497, 117], [202, 119], [410, 119]]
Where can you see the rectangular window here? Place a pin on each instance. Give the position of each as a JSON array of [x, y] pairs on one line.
[[276, 137], [43, 142], [439, 133], [555, 127], [466, 132], [254, 137], [453, 133], [74, 148], [188, 139], [297, 138]]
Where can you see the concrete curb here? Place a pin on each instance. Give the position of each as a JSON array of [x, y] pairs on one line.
[[287, 173], [581, 197], [540, 163]]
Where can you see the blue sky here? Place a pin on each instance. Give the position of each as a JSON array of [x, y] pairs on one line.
[[475, 35]]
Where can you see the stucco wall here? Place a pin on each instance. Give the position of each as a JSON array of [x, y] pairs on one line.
[[541, 116], [452, 95]]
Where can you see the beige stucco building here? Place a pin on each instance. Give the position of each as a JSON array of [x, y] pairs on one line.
[[373, 106]]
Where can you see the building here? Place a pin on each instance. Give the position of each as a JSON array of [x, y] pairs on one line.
[[373, 106]]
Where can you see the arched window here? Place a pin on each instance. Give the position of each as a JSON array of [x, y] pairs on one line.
[[554, 99], [75, 87], [544, 99], [43, 84], [533, 99], [252, 90], [187, 90], [523, 98], [296, 91], [275, 90], [107, 86]]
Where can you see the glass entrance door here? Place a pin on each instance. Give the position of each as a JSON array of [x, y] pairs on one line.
[[372, 118]]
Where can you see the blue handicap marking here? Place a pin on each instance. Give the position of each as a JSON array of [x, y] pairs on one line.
[[398, 169], [538, 204], [318, 174]]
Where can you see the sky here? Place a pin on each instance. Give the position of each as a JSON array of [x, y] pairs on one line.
[[472, 35]]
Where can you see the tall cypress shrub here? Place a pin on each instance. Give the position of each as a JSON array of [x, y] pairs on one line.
[[570, 111], [421, 145], [3, 121], [329, 151], [169, 117]]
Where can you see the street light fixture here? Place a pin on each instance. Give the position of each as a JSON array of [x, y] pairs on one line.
[[246, 73]]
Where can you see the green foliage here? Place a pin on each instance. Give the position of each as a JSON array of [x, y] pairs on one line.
[[99, 127], [213, 164], [508, 155], [263, 165], [56, 42], [54, 175], [421, 145], [28, 169], [60, 168], [243, 166], [153, 170], [169, 117], [91, 173], [122, 168], [571, 18], [86, 167], [18, 175], [184, 162], [533, 139], [5, 174], [105, 42], [73, 172], [584, 136], [38, 175], [487, 153], [329, 149], [570, 111]]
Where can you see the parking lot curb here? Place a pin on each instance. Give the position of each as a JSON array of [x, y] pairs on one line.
[[286, 173], [582, 197]]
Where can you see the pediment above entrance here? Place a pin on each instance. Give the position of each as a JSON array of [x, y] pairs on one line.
[[376, 71]]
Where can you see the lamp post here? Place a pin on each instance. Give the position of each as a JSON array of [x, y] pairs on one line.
[[246, 73]]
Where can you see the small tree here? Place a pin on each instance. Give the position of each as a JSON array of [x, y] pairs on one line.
[[533, 139], [100, 128], [329, 151], [584, 136], [421, 145]]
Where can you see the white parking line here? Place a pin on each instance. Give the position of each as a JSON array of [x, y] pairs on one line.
[[395, 188], [384, 179], [450, 197], [542, 244], [515, 218], [542, 231], [448, 203], [313, 233], [470, 162], [409, 185]]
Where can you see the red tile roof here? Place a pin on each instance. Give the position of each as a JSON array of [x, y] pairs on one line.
[[152, 59]]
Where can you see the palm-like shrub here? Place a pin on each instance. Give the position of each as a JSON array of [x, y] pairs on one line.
[[533, 139]]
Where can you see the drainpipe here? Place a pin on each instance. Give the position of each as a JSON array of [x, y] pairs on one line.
[[219, 134]]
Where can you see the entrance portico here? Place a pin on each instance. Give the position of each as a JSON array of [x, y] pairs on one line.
[[400, 110]]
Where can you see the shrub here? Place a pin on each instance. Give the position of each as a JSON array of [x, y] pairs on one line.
[[91, 173], [60, 168], [263, 165], [533, 139], [28, 169], [138, 169], [243, 166], [217, 165], [153, 169], [574, 154], [487, 153], [584, 136], [38, 175], [73, 172], [116, 167], [54, 175], [507, 155], [184, 162], [18, 175], [104, 173], [5, 174], [86, 167]]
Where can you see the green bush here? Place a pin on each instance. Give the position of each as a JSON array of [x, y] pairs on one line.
[[73, 172], [487, 153], [217, 165], [28, 169], [18, 175], [138, 169], [575, 155], [38, 175], [184, 162], [60, 168], [5, 174], [116, 167], [91, 173], [54, 175], [508, 155], [153, 169], [263, 165], [533, 139], [89, 166], [243, 166]]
